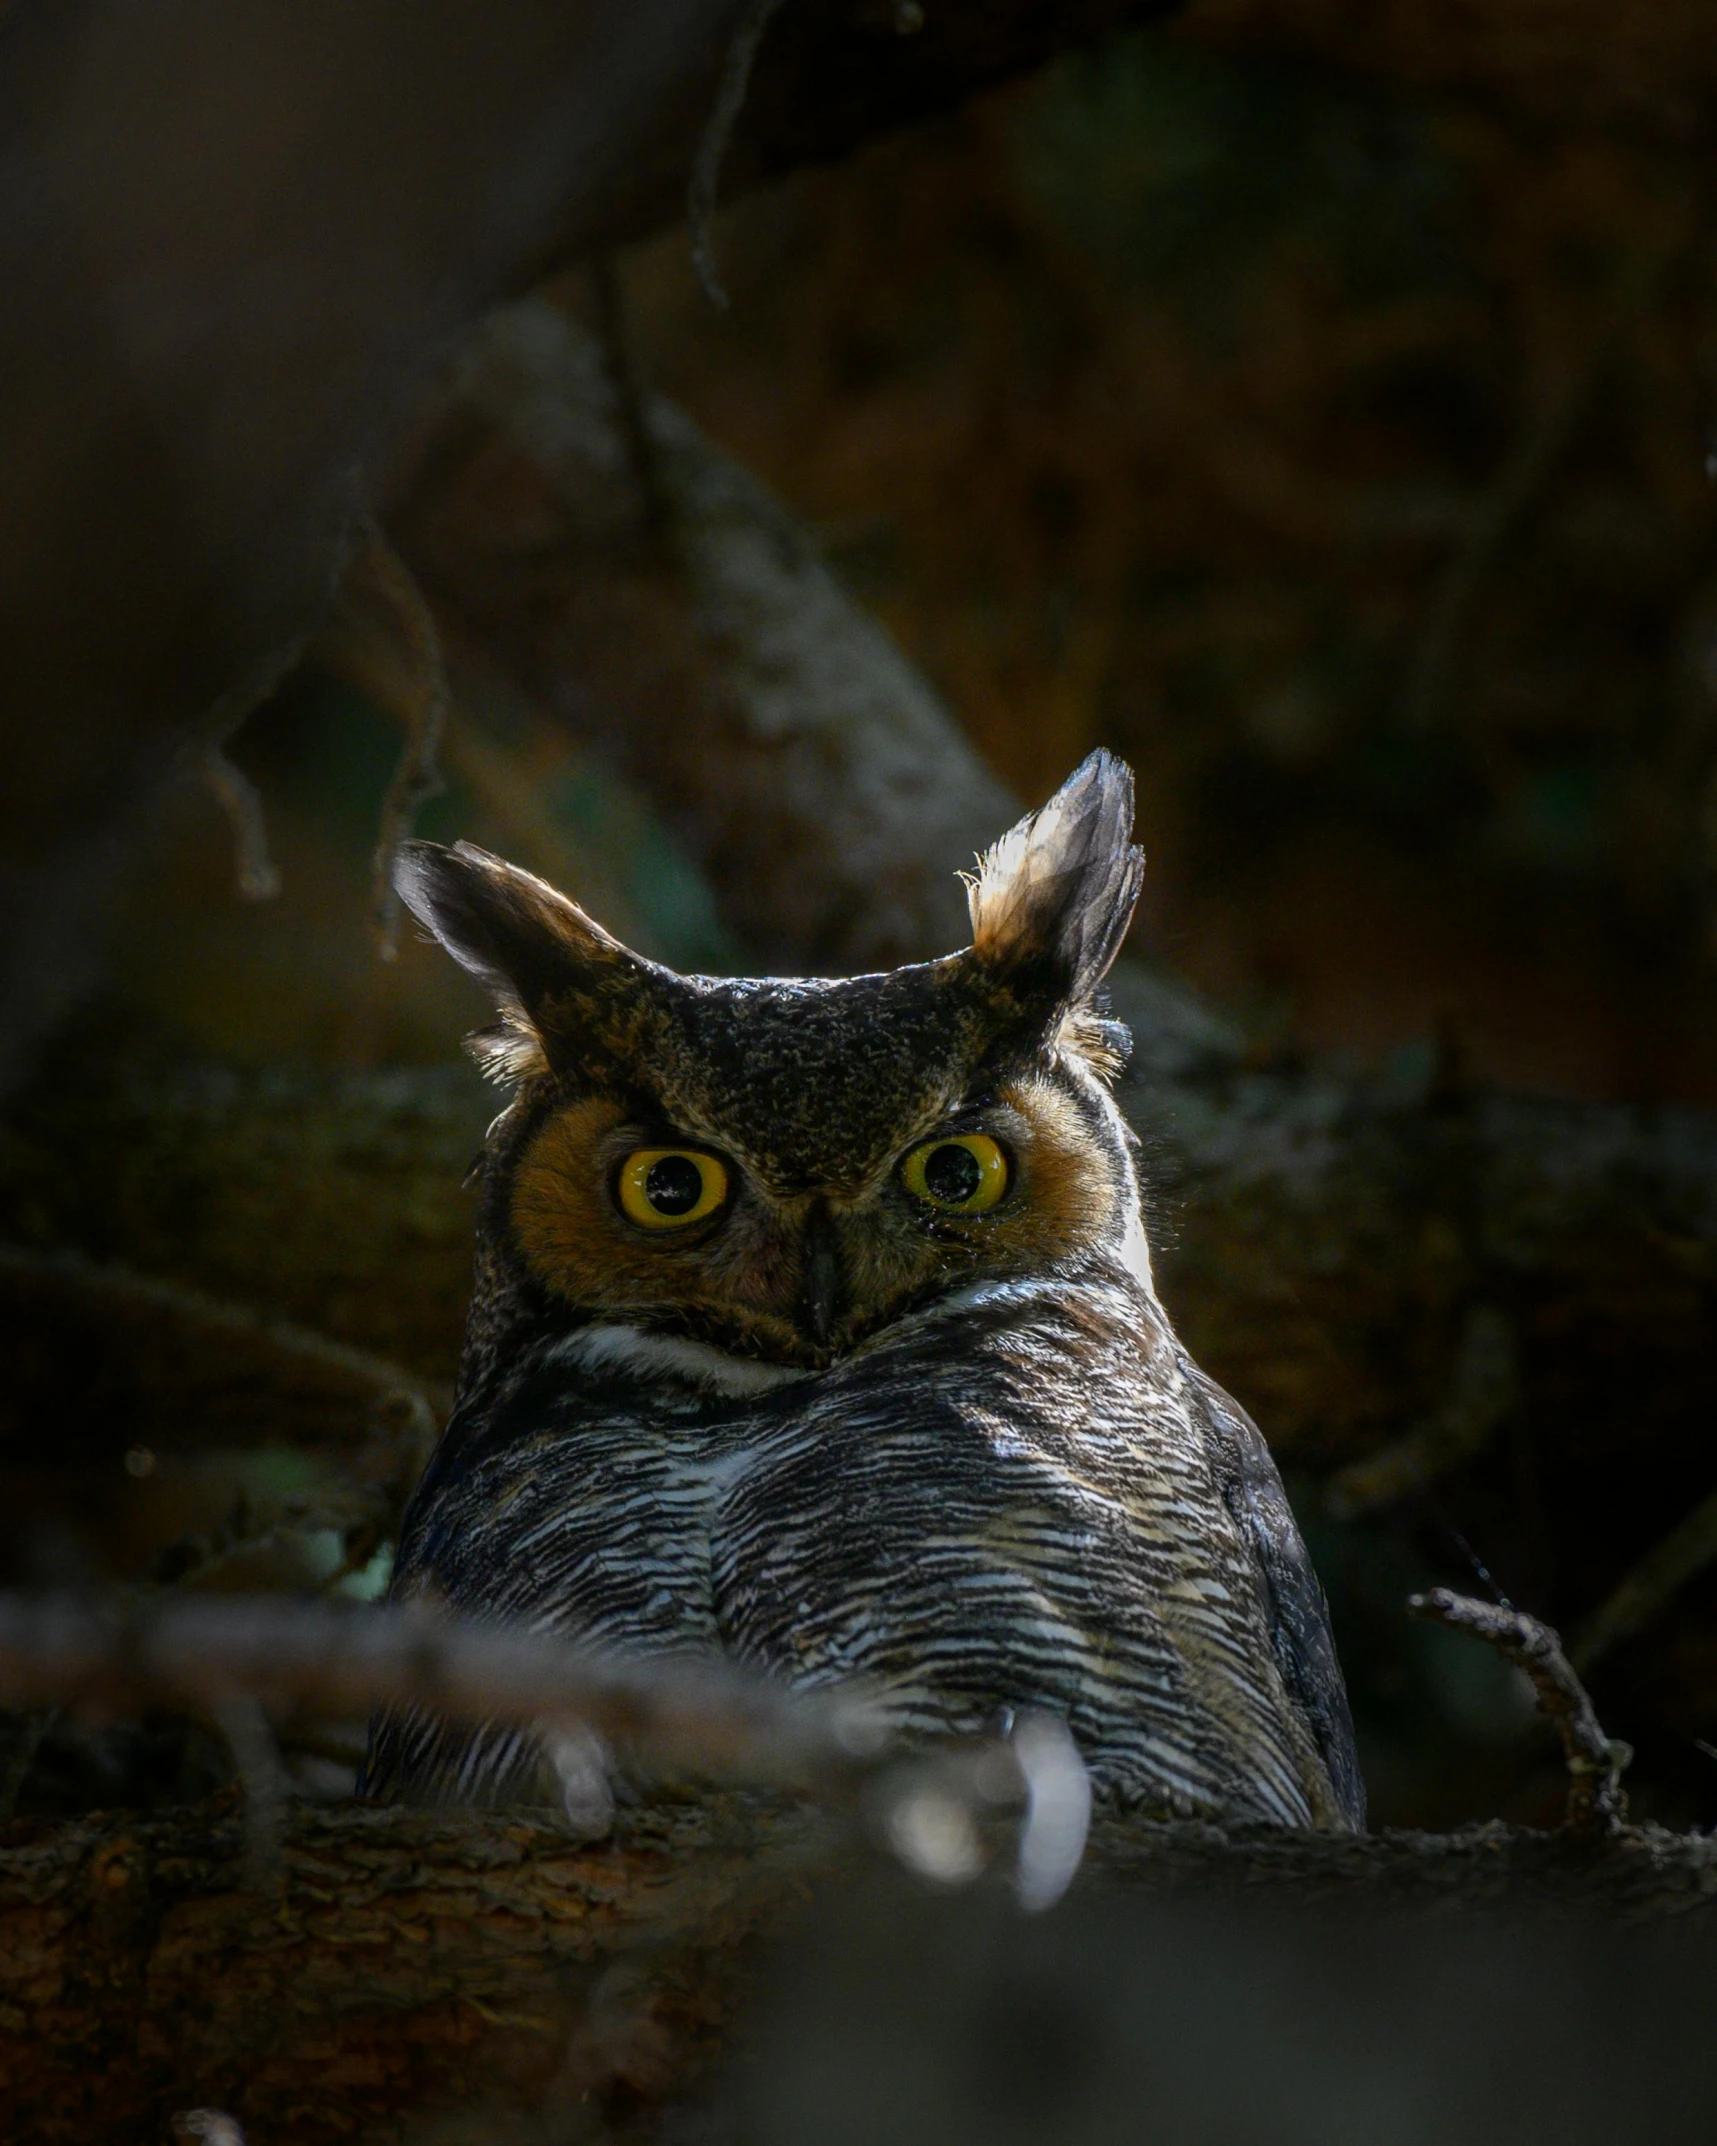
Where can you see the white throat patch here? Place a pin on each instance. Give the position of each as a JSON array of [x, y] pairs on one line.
[[653, 1356]]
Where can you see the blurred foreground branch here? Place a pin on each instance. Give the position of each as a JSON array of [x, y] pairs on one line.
[[191, 1655]]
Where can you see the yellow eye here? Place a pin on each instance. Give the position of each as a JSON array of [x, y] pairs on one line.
[[668, 1188], [962, 1174]]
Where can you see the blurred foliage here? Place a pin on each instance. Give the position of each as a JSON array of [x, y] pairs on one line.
[[1338, 455], [1191, 177]]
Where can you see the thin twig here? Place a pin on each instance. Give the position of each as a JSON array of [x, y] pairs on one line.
[[1483, 1391], [1435, 671], [381, 584], [303, 1518], [385, 1464], [1681, 1556], [1596, 1801], [249, 1738], [713, 143], [206, 760], [254, 871]]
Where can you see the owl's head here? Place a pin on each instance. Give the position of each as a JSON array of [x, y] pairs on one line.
[[777, 1168]]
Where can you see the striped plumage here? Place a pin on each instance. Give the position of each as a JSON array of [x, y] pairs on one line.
[[960, 1457]]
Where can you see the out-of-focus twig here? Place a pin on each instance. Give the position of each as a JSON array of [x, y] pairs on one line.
[[1498, 515], [195, 1655], [249, 1738], [254, 871], [205, 759], [1683, 1553], [1436, 665], [1597, 1803], [380, 594], [1482, 1392], [712, 144], [232, 1658], [213, 2126]]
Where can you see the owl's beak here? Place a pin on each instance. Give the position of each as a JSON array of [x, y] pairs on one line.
[[823, 1298]]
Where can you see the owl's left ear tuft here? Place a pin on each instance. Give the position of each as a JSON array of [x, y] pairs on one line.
[[525, 942], [1055, 895]]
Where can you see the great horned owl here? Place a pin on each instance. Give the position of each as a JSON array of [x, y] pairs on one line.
[[814, 1326]]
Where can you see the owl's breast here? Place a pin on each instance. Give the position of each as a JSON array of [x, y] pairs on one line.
[[1010, 1504], [591, 1518], [1008, 1501]]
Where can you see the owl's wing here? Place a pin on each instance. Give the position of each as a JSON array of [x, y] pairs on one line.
[[1294, 1604]]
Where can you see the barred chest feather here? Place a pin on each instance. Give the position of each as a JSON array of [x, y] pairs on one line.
[[1025, 1495]]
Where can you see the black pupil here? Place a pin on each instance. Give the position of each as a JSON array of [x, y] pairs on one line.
[[953, 1174], [674, 1185]]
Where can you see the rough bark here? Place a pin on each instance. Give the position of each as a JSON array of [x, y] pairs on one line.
[[413, 1963]]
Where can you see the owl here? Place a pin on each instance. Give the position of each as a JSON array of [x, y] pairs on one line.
[[814, 1327]]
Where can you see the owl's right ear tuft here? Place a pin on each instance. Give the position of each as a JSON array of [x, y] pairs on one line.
[[1055, 895], [524, 942]]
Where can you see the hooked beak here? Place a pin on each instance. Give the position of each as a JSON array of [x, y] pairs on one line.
[[823, 1298]]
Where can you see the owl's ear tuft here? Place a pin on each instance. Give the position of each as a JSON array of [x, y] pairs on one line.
[[524, 942], [1055, 895]]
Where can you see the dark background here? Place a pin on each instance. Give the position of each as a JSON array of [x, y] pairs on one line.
[[1330, 432]]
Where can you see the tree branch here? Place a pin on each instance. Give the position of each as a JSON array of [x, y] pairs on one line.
[[417, 1962], [1596, 1801], [192, 1655]]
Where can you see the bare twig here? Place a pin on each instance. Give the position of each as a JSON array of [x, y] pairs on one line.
[[249, 1738], [1681, 1556], [1596, 1801], [254, 871], [1482, 1393], [712, 144], [381, 589], [380, 1468]]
